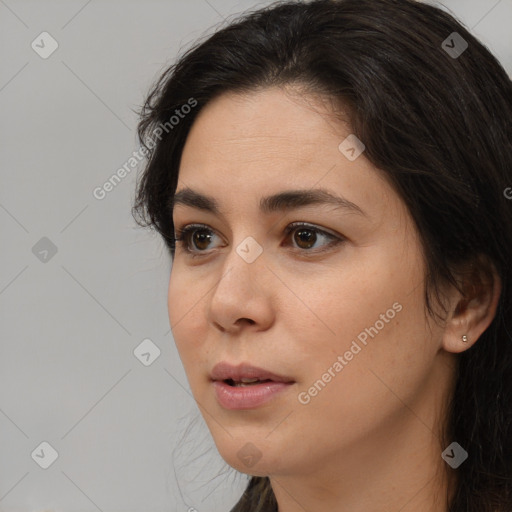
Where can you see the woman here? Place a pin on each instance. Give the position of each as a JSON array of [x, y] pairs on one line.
[[331, 180]]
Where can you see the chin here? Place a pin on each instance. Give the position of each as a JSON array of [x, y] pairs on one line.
[[253, 458], [260, 468]]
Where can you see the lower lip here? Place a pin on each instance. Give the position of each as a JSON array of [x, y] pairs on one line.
[[247, 397]]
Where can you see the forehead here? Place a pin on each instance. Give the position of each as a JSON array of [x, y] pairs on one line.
[[245, 146], [272, 121]]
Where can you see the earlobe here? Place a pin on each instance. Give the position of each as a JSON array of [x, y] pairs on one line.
[[472, 311]]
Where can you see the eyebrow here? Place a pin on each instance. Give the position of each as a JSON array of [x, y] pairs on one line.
[[280, 202]]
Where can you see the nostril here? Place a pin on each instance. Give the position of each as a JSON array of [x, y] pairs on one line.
[[248, 320]]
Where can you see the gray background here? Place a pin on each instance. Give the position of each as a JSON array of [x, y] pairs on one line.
[[125, 433]]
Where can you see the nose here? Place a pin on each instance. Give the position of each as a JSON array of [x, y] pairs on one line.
[[242, 296]]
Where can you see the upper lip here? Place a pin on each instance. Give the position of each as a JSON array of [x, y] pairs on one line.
[[226, 371]]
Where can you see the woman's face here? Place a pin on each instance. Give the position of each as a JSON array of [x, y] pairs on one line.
[[335, 307]]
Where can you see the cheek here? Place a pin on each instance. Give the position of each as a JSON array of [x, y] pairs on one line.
[[185, 303], [372, 311], [186, 307], [174, 291], [375, 377]]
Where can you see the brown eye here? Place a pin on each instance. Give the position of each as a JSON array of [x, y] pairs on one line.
[[309, 238], [195, 238], [201, 239], [305, 238]]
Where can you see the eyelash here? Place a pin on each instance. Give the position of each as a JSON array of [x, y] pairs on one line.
[[183, 236]]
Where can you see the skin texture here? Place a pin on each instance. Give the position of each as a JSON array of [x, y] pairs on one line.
[[370, 439]]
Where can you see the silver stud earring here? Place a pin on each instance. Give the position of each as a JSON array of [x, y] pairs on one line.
[[464, 338]]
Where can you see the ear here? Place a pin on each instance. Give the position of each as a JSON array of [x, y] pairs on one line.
[[472, 311]]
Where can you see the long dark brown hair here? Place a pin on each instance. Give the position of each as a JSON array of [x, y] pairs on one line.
[[436, 123]]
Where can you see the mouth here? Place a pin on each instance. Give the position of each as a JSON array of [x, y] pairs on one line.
[[245, 386], [245, 382], [245, 375]]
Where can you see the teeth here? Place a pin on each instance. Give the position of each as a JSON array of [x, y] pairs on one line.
[[246, 382]]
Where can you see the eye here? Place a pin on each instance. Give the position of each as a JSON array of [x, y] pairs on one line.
[[196, 238], [305, 236]]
